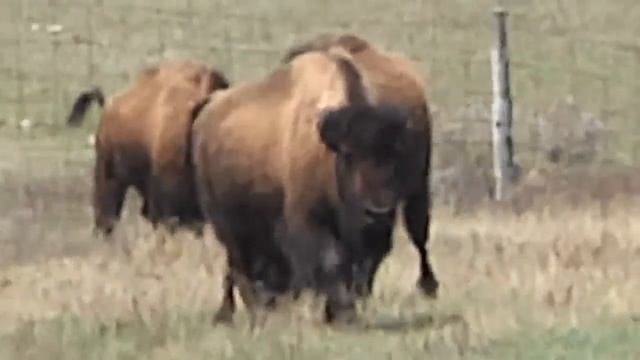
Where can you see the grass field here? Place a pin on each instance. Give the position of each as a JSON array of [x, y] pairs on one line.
[[554, 281], [552, 274]]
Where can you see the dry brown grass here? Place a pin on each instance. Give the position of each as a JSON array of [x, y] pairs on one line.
[[500, 273], [563, 253]]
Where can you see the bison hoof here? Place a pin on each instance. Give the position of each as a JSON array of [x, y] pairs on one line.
[[172, 225], [223, 317], [198, 230], [344, 315], [429, 286], [103, 232], [362, 291]]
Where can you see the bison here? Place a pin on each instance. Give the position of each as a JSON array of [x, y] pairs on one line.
[[289, 170], [395, 81], [143, 141]]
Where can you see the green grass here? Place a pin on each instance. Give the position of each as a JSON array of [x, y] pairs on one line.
[[605, 339], [193, 337]]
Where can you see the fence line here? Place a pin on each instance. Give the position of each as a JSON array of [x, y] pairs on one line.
[[502, 114], [106, 42]]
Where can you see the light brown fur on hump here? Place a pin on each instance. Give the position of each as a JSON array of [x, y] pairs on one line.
[[393, 78], [329, 81], [351, 43]]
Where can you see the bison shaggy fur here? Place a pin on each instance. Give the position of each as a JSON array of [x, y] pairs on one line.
[[142, 141], [291, 168], [394, 80]]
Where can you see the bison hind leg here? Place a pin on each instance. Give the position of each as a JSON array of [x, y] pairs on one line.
[[161, 198], [173, 203], [144, 209], [155, 208], [417, 216], [108, 197], [379, 243], [225, 312]]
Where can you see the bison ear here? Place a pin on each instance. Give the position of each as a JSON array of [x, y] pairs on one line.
[[333, 129]]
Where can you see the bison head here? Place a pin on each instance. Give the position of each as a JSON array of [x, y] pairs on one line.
[[377, 157]]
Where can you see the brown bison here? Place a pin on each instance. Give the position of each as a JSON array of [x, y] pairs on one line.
[[395, 81], [143, 141], [289, 170]]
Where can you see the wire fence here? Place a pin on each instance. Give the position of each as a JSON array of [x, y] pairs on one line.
[[574, 66]]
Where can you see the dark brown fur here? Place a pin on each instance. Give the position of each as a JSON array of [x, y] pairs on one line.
[[142, 141], [395, 81], [271, 157]]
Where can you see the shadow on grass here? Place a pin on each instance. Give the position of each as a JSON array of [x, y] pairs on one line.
[[415, 322]]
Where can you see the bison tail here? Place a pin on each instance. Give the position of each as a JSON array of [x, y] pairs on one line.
[[82, 103]]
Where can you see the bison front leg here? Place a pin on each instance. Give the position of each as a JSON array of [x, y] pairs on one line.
[[228, 307], [378, 244], [417, 216], [323, 261], [108, 196], [255, 297], [340, 305]]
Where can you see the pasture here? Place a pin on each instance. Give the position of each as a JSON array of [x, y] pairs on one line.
[[552, 273]]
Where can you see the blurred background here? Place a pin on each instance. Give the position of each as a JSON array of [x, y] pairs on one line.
[[575, 66]]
